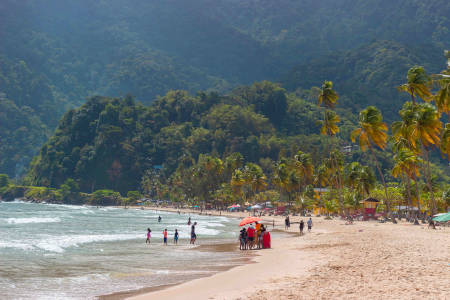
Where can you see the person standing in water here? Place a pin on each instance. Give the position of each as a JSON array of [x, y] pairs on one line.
[[165, 236], [149, 235], [175, 237], [189, 221], [302, 225], [193, 235], [309, 224], [159, 219]]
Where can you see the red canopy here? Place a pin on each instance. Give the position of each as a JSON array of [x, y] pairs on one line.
[[249, 220]]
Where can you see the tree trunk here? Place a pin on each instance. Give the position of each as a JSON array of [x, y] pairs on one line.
[[417, 192], [429, 184], [388, 204], [408, 192]]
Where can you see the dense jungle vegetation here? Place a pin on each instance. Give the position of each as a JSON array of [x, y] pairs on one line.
[[182, 85]]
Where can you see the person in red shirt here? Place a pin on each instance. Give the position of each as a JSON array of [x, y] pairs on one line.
[[251, 236]]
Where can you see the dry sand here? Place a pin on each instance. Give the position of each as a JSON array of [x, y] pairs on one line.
[[367, 260]]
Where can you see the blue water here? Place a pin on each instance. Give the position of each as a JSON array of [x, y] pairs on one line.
[[79, 252]]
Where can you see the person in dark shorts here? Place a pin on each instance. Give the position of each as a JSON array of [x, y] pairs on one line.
[[165, 236], [302, 225], [243, 239], [193, 235], [309, 222], [175, 237], [251, 236]]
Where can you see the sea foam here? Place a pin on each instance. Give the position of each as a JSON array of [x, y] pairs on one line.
[[32, 220]]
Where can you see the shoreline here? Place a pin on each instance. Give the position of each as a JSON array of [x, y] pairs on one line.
[[215, 247], [335, 261]]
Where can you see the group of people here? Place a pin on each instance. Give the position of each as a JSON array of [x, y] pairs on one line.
[[252, 237], [287, 224], [176, 234]]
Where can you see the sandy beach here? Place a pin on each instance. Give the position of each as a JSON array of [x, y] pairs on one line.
[[366, 260]]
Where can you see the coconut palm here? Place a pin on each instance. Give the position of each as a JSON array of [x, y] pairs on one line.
[[321, 176], [304, 167], [327, 96], [407, 167], [254, 177], [445, 140], [359, 178], [442, 80], [417, 85], [372, 132], [329, 124], [425, 131]]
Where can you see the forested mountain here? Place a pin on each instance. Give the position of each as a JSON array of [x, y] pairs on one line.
[[369, 74], [112, 142], [54, 54]]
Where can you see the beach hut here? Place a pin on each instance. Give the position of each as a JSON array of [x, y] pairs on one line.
[[370, 207]]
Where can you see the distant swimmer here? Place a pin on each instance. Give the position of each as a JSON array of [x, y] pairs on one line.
[[165, 236], [175, 237], [149, 235], [159, 219], [193, 235], [189, 221]]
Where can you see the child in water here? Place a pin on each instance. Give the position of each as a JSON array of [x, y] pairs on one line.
[[149, 235], [175, 237]]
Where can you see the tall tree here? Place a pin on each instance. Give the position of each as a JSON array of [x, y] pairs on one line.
[[372, 132], [417, 85]]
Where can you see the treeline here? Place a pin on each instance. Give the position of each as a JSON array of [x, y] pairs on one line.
[[257, 143]]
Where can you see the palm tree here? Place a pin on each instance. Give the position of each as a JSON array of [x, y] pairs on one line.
[[237, 182], [417, 85], [327, 96], [372, 132], [360, 178], [329, 124], [321, 177], [425, 130], [442, 80], [304, 167], [407, 167], [254, 178], [445, 140]]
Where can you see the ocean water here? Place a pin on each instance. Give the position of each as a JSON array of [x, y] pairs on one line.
[[80, 252]]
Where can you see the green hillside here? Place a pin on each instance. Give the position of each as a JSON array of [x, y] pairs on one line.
[[112, 142], [367, 75], [54, 54]]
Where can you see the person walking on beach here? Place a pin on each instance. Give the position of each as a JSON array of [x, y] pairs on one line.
[[287, 223], [165, 236], [309, 222], [193, 235], [302, 225], [149, 235], [175, 237]]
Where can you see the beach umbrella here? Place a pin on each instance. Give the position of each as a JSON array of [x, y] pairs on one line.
[[249, 220], [442, 218]]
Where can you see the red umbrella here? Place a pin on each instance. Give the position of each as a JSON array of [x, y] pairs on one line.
[[249, 220]]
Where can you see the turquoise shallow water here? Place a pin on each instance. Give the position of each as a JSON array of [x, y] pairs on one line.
[[79, 252]]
